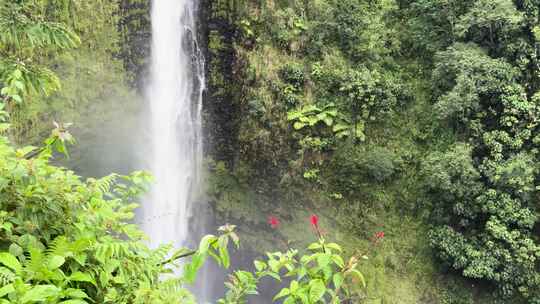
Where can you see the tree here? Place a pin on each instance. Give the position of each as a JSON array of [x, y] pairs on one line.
[[488, 21], [484, 193]]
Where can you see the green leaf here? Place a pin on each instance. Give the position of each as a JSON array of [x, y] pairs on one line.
[[76, 293], [40, 293], [24, 151], [323, 260], [334, 246], [283, 293], [205, 243], [15, 250], [313, 121], [82, 277], [328, 121], [317, 289], [10, 261], [55, 262], [299, 125], [260, 266], [17, 98], [294, 115], [294, 286], [224, 255], [274, 265], [332, 113], [289, 300], [6, 290], [315, 246], [338, 280], [338, 260], [273, 275], [339, 127]]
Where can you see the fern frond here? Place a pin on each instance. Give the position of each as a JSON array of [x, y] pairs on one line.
[[171, 286], [112, 250], [36, 261], [18, 29], [60, 247], [104, 185]]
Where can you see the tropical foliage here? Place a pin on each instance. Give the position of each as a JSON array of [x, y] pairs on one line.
[[417, 117]]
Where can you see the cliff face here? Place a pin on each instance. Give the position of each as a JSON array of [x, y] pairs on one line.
[[222, 101], [134, 25]]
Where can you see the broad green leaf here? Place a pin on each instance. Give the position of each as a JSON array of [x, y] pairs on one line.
[[289, 300], [6, 290], [313, 121], [343, 134], [17, 98], [338, 260], [310, 109], [82, 277], [274, 265], [333, 246], [299, 125], [260, 266], [55, 262], [314, 246], [293, 115], [328, 121], [75, 293], [10, 261], [294, 286], [273, 275], [15, 250], [338, 280], [323, 260], [40, 293], [332, 113], [283, 293], [339, 127], [317, 289], [205, 243], [224, 255]]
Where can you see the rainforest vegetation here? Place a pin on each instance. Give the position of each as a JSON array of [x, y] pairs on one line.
[[407, 132]]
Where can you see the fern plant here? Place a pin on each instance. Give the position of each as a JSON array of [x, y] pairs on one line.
[[64, 240], [26, 33], [329, 117]]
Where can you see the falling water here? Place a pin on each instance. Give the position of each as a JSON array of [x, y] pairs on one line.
[[175, 101]]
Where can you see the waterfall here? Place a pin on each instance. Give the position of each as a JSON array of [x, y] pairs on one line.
[[175, 102]]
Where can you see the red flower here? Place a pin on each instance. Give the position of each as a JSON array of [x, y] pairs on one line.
[[314, 221], [377, 237], [273, 221]]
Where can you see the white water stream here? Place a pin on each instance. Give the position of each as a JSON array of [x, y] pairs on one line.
[[175, 101]]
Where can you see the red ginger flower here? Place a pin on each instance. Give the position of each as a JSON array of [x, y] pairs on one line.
[[273, 221], [314, 221], [378, 236]]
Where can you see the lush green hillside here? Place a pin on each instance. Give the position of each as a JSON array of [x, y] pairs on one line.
[[417, 119]]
